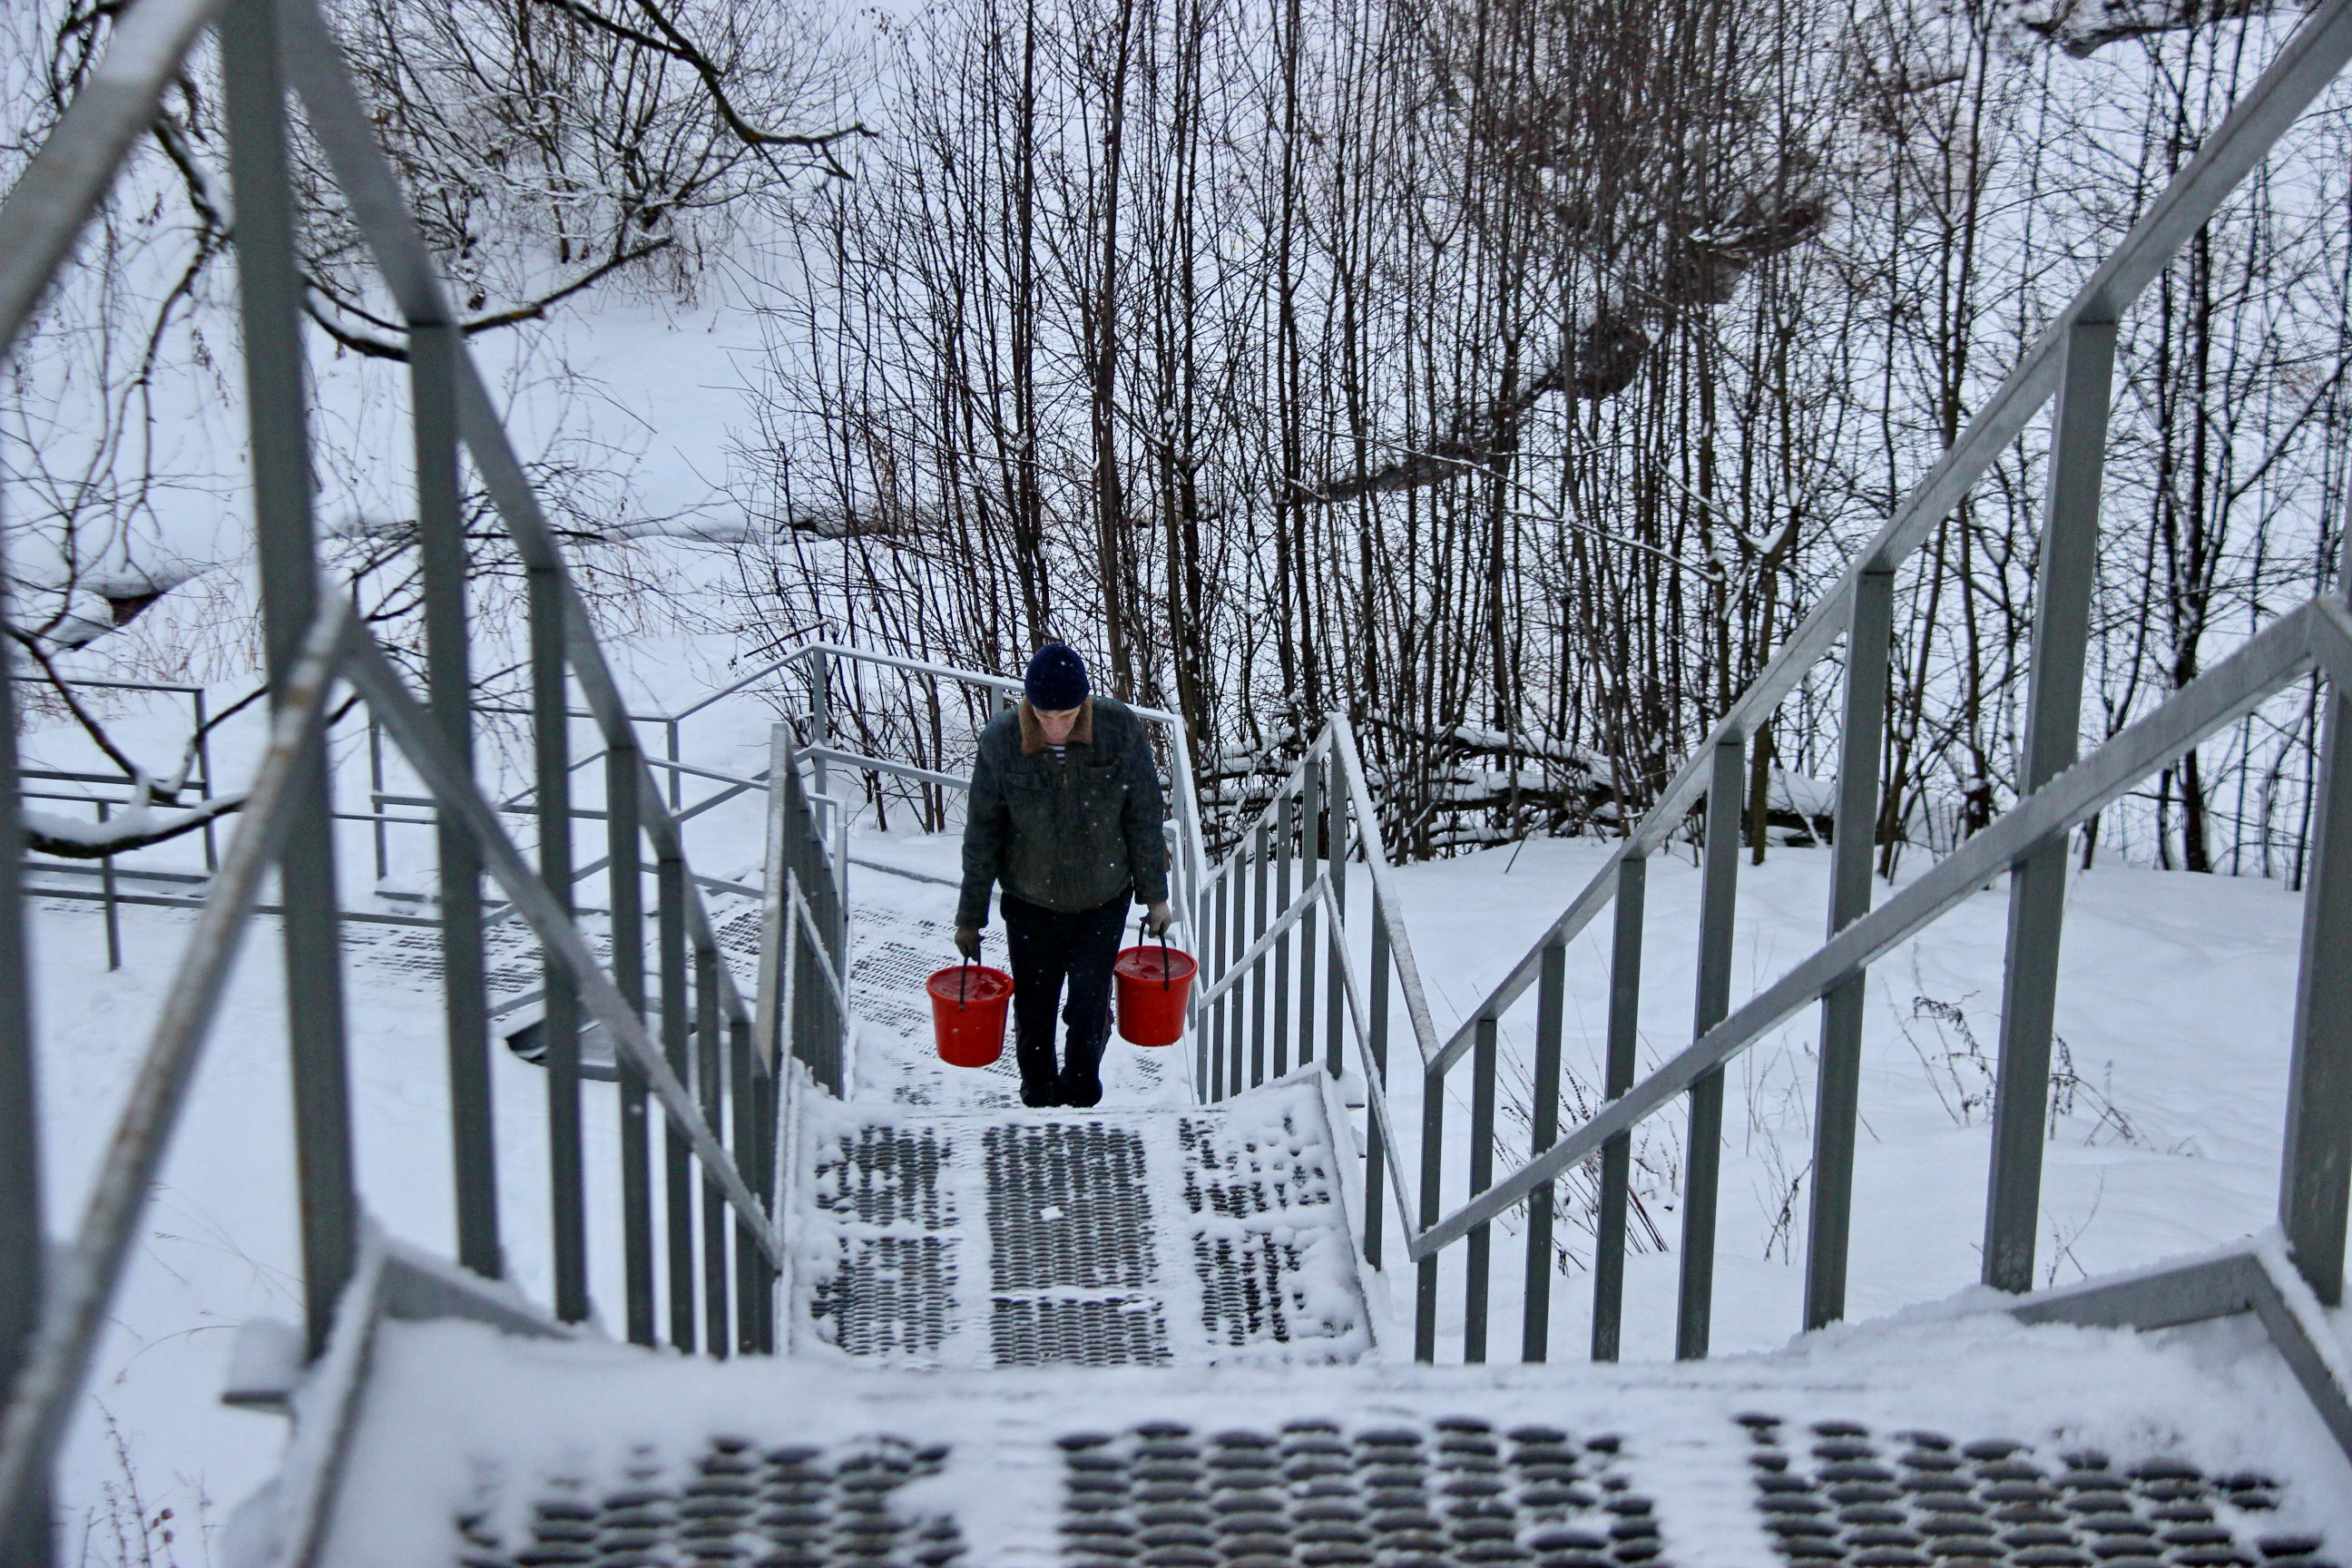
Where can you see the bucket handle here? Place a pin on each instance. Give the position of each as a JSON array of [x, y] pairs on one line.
[[963, 979], [1142, 927]]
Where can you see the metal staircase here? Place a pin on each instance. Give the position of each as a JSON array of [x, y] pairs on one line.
[[863, 1311]]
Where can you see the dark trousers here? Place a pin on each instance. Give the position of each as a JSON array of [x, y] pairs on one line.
[[1048, 948]]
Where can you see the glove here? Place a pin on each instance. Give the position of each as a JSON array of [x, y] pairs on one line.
[[1158, 918], [967, 941]]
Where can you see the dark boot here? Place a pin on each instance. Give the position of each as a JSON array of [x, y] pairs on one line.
[[1080, 1089], [1044, 1092], [1081, 1079]]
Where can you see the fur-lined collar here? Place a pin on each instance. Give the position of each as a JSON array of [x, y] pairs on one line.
[[1032, 733]]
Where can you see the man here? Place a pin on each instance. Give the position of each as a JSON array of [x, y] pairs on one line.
[[1065, 816]]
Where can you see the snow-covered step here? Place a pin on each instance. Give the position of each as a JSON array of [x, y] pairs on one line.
[[1021, 1238], [1972, 1442]]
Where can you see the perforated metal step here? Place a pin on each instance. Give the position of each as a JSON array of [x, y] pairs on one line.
[[1039, 1238], [2064, 1449]]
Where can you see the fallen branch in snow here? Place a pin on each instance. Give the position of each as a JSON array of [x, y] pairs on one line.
[[136, 829]]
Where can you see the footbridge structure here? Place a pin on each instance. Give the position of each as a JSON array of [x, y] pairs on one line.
[[811, 1299]]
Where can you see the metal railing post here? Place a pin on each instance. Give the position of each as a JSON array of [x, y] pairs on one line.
[[24, 1534], [1617, 1076], [1432, 1149], [375, 732], [1551, 1019], [1335, 863], [1838, 1082], [1703, 1159], [2315, 1168], [1213, 1034], [1236, 944], [269, 297], [820, 716], [1285, 825], [1377, 1153], [677, 1170], [2037, 887], [624, 848], [1479, 1258], [677, 779], [1254, 984], [1310, 853], [743, 1099], [710, 1055], [106, 892], [560, 1019], [449, 692]]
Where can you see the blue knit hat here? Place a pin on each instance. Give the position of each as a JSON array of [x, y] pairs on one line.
[[1056, 680]]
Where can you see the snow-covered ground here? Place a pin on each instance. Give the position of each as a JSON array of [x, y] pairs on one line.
[[2174, 1007]]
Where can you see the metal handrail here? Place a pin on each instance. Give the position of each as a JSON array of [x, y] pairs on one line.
[[2319, 632], [313, 639], [74, 1312], [2071, 359], [372, 672], [90, 1266]]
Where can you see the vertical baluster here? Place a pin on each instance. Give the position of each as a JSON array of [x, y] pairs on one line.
[[1335, 986], [1479, 1255], [677, 779], [1310, 857], [678, 1165], [1214, 1032], [1702, 1160], [709, 1078], [1617, 1154], [743, 1100], [24, 1536], [560, 1021], [1432, 1149], [1837, 1095], [1201, 936], [1284, 1003], [1262, 842], [1377, 1153], [449, 693], [623, 782], [2315, 1167], [768, 1110], [106, 892], [819, 717], [2037, 884], [1551, 1012], [269, 300], [1237, 943], [203, 779], [375, 764]]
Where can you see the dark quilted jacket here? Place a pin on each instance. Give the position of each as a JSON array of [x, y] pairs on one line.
[[1065, 835]]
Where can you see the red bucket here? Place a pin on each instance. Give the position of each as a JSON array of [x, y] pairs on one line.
[[1153, 983], [968, 1007]]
